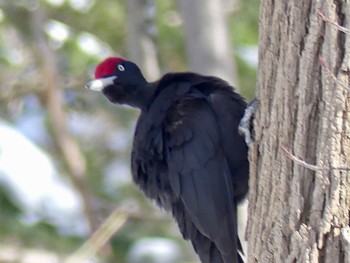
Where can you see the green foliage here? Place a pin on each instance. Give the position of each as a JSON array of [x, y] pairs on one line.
[[42, 234], [244, 32], [10, 211], [171, 37], [244, 23], [247, 77]]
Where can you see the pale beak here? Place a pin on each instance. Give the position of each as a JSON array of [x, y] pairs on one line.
[[100, 84]]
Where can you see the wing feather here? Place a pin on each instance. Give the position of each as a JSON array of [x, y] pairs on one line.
[[199, 174]]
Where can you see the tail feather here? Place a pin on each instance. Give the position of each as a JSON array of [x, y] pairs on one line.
[[205, 248], [208, 252]]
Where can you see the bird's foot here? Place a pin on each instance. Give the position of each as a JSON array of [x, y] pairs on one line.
[[245, 124]]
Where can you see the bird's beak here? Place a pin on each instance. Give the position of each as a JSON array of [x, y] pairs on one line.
[[100, 84]]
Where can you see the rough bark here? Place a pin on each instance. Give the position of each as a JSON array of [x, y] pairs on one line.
[[209, 49], [297, 214]]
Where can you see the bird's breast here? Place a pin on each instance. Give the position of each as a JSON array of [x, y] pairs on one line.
[[149, 169]]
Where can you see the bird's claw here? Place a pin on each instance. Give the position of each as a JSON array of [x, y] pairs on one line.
[[244, 127]]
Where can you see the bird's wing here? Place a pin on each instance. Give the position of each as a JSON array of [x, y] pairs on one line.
[[199, 173]]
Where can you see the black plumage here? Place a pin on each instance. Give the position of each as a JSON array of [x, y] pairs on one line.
[[187, 153]]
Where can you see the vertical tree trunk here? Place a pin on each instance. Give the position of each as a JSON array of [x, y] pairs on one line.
[[298, 214], [142, 33], [67, 146], [209, 49]]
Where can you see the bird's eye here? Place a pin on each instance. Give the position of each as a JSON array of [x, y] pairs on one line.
[[121, 68]]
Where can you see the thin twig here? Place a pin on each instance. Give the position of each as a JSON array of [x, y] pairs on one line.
[[328, 71], [326, 19], [299, 161], [100, 237], [310, 166]]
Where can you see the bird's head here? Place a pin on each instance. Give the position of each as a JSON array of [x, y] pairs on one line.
[[121, 81]]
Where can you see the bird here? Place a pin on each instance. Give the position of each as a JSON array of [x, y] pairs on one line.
[[187, 154]]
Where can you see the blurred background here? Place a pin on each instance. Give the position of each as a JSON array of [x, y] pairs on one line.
[[64, 150]]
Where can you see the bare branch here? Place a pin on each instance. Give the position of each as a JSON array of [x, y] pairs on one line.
[[17, 92], [21, 89], [326, 19], [66, 144], [310, 166], [114, 222], [101, 236]]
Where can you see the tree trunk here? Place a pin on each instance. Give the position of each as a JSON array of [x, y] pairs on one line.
[[209, 49], [142, 32], [67, 146], [298, 212]]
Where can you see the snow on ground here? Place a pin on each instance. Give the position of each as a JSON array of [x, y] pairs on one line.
[[29, 173]]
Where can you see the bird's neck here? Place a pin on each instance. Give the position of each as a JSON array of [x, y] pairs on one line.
[[143, 96]]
